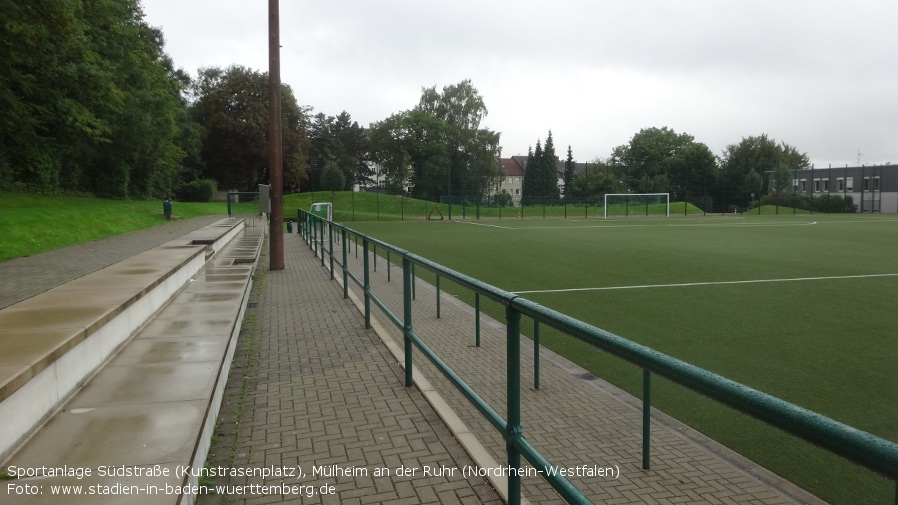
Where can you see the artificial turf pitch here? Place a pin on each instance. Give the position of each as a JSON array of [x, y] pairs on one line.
[[798, 306]]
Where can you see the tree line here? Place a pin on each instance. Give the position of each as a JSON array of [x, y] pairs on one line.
[[92, 104], [660, 160]]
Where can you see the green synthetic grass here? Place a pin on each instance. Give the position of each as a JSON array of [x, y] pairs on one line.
[[35, 223], [825, 344]]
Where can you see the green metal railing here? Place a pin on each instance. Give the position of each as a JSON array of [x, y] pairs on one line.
[[867, 450]]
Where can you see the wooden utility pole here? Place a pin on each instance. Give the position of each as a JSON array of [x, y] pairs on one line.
[[275, 158]]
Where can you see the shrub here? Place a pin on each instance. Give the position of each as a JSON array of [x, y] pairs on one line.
[[820, 202], [201, 190]]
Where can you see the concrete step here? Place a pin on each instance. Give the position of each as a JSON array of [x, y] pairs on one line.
[[153, 404]]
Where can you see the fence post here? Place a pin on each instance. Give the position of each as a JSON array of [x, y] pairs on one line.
[[321, 239], [535, 354], [330, 251], [513, 401], [314, 243], [646, 416], [367, 282], [477, 319], [407, 267], [345, 265]]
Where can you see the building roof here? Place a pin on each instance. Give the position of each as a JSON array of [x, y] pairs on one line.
[[511, 167]]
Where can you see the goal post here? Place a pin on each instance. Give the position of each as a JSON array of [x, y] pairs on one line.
[[637, 204]]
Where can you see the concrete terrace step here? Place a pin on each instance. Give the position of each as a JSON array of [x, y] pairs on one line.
[[155, 401]]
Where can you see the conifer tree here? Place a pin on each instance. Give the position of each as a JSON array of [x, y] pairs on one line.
[[549, 172], [568, 172]]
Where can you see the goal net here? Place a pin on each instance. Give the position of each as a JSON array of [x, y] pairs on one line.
[[637, 204]]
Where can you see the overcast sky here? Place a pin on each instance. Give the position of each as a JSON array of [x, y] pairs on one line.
[[822, 76]]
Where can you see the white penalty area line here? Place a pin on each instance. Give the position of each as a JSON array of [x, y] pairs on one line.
[[718, 283]]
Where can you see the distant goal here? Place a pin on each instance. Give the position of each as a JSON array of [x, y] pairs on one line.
[[637, 204]]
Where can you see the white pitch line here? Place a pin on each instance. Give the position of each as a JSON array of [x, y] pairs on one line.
[[484, 224], [718, 283], [670, 225]]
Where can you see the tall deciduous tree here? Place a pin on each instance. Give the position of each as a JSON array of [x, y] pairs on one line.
[[341, 141], [662, 160], [472, 150], [232, 108], [760, 154], [88, 100], [438, 144]]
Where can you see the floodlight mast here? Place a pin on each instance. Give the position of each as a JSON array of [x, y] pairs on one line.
[[275, 158]]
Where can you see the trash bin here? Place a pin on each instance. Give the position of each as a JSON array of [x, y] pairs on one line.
[[289, 226], [166, 209]]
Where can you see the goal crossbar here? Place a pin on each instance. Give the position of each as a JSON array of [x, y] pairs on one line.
[[636, 204]]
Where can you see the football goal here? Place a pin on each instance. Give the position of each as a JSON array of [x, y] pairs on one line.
[[637, 204]]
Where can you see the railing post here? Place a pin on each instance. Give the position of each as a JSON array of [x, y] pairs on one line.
[[535, 354], [321, 239], [310, 232], [330, 250], [477, 319], [388, 265], [367, 282], [513, 401], [646, 416], [345, 265], [374, 249], [438, 296], [413, 281], [407, 267], [313, 244]]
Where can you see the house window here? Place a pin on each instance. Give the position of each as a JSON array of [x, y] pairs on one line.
[[817, 185], [849, 183], [803, 185], [517, 179], [876, 184], [509, 180], [826, 185], [866, 185], [517, 192], [840, 184]]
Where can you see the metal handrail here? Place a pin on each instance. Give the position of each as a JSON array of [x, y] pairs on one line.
[[865, 449]]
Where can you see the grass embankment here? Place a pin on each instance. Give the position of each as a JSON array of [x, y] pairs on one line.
[[33, 223]]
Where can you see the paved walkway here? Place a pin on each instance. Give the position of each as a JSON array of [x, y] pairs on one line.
[[310, 387]]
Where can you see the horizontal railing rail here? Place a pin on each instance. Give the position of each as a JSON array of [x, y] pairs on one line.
[[865, 449]]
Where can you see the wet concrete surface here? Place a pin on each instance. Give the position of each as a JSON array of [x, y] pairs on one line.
[[148, 404]]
